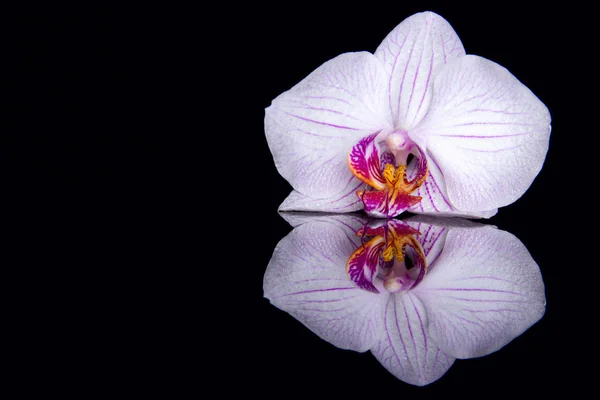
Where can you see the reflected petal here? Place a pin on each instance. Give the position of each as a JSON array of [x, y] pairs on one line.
[[405, 349], [433, 233], [484, 291], [362, 264], [306, 277]]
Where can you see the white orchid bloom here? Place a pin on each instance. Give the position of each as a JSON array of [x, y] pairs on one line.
[[343, 136]]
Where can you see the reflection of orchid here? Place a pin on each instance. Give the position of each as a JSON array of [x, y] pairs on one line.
[[478, 137], [475, 290]]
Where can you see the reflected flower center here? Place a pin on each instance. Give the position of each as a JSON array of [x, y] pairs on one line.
[[390, 258]]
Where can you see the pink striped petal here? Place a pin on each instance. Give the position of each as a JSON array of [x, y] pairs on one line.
[[413, 54], [487, 133], [433, 231], [306, 278], [311, 128], [345, 201], [435, 200], [484, 291], [406, 350]]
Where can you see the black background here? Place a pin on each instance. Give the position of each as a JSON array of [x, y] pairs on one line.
[[133, 148]]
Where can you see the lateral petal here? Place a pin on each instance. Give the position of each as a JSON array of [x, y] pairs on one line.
[[484, 291], [487, 132], [311, 128], [306, 277]]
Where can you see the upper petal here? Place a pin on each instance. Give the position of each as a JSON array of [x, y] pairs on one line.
[[405, 348], [311, 128], [413, 54], [484, 291], [306, 277], [487, 133]]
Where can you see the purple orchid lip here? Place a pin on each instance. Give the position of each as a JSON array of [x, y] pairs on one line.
[[477, 290], [363, 265], [391, 255], [386, 172]]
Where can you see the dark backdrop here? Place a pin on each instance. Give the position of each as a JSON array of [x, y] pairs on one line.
[[133, 150]]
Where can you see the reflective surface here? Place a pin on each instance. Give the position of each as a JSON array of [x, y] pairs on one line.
[[477, 290]]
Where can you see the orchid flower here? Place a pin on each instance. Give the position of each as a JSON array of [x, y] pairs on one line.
[[418, 126], [418, 293]]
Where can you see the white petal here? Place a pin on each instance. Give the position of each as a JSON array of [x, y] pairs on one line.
[[435, 199], [487, 133], [413, 54], [344, 201], [484, 291], [405, 349], [311, 128], [432, 238], [306, 277]]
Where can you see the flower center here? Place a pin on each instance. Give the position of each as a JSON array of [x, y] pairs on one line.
[[390, 259], [400, 145], [387, 172]]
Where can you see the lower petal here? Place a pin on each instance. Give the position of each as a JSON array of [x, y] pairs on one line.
[[484, 291], [432, 238], [306, 278], [386, 204], [406, 350], [374, 202], [345, 201]]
